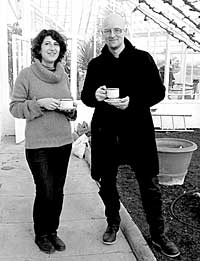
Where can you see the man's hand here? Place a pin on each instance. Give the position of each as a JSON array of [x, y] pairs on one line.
[[100, 93], [121, 103]]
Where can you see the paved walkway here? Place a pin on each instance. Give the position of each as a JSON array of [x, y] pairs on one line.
[[82, 219]]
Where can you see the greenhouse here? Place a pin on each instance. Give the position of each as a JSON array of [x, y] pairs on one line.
[[169, 30]]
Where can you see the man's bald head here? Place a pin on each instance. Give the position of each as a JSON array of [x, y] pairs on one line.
[[113, 21], [114, 32]]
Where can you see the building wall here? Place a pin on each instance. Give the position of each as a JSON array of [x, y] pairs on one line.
[[169, 107]]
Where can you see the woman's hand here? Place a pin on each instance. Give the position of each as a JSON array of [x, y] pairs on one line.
[[49, 103]]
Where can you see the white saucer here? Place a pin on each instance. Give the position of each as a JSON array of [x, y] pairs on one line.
[[113, 100]]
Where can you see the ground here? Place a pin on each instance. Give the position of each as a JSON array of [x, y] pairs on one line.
[[181, 206]]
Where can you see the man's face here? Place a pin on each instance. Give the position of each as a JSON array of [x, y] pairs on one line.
[[114, 31]]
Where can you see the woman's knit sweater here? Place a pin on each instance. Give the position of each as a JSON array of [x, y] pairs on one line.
[[43, 128]]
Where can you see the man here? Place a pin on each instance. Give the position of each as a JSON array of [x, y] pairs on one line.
[[123, 130]]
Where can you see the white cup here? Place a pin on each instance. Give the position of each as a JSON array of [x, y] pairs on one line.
[[66, 104], [112, 93]]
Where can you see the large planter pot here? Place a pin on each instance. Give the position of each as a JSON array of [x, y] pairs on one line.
[[174, 159]]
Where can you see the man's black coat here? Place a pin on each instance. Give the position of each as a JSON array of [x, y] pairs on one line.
[[131, 130]]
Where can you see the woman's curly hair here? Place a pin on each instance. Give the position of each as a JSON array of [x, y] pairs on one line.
[[38, 40]]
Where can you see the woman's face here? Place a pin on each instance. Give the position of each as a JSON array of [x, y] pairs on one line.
[[50, 50]]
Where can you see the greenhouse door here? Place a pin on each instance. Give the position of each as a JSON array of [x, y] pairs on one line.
[[21, 58]]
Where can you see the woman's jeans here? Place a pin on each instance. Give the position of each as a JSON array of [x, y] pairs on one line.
[[49, 170]]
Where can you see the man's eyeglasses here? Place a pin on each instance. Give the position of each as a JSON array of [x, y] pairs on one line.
[[116, 31]]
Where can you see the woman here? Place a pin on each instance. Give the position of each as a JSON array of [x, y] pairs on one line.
[[48, 138]]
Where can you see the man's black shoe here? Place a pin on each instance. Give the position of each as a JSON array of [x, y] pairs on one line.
[[58, 244], [44, 244], [166, 246], [110, 235]]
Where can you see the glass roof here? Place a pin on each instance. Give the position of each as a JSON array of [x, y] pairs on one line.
[[61, 12], [179, 18]]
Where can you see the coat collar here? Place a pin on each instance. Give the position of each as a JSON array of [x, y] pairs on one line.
[[126, 51]]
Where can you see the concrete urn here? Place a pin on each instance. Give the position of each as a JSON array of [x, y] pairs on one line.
[[174, 159]]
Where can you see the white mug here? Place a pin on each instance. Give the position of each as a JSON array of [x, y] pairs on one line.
[[112, 93], [66, 104]]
